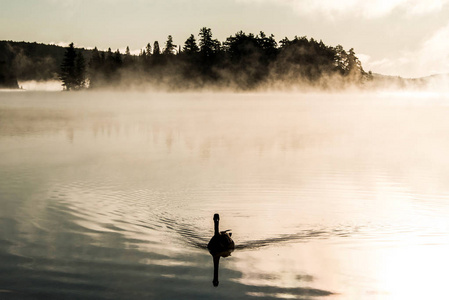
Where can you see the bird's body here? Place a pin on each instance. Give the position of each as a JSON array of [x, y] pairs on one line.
[[221, 244]]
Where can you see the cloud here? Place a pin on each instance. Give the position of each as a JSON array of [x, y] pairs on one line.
[[65, 3], [434, 53], [362, 8], [386, 66], [431, 57]]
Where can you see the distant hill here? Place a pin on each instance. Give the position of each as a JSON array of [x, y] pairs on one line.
[[396, 82], [439, 79]]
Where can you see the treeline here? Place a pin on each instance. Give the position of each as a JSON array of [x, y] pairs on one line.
[[23, 61], [243, 61], [8, 78]]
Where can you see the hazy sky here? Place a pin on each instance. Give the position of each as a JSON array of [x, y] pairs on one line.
[[396, 37]]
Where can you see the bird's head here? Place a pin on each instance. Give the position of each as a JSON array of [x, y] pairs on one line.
[[216, 217]]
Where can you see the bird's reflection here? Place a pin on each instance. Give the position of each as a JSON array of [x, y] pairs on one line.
[[220, 245]]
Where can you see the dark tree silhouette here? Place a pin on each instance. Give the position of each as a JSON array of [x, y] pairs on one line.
[[109, 66], [208, 45], [95, 67], [246, 58], [118, 61], [80, 71], [209, 55], [72, 71], [156, 49], [143, 58], [67, 74], [341, 60], [305, 59], [190, 46], [355, 70], [148, 50], [128, 59], [268, 46], [8, 77], [169, 46], [243, 61], [157, 59]]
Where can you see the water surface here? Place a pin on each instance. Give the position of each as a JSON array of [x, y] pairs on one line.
[[111, 195]]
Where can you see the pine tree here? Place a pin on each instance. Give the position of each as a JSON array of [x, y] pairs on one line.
[[142, 56], [169, 46], [118, 61], [341, 60], [109, 68], [73, 69], [156, 58], [208, 58], [128, 59], [96, 65], [208, 46], [68, 71], [190, 45], [156, 49], [148, 50]]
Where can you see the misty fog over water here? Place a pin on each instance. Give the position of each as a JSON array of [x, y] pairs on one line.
[[329, 196]]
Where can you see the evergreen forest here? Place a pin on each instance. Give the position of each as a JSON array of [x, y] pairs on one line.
[[242, 62]]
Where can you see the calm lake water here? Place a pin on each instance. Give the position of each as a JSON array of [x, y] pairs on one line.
[[111, 195]]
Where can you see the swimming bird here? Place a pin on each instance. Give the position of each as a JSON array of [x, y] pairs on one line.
[[221, 244]]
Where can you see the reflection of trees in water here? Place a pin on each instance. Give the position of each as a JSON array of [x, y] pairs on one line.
[[70, 132], [205, 144], [107, 128], [25, 121], [162, 128], [183, 136]]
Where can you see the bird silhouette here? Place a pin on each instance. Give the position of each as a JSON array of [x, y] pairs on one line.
[[220, 245]]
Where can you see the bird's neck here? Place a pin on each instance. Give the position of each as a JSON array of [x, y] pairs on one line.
[[216, 232]]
